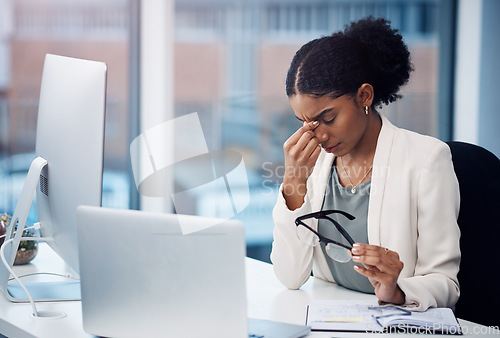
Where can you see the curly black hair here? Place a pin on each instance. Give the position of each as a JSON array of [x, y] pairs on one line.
[[367, 51]]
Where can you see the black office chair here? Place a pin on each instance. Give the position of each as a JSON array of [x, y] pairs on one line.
[[478, 173]]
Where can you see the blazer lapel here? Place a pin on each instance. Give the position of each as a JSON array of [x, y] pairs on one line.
[[379, 178]]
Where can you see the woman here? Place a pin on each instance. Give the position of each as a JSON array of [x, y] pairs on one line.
[[400, 186]]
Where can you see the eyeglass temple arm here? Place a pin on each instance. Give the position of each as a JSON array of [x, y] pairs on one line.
[[323, 213], [321, 237], [343, 213], [325, 239], [341, 229]]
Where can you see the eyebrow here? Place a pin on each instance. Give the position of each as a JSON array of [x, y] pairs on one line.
[[317, 117]]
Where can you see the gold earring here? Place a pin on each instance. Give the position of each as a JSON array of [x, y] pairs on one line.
[[366, 110]]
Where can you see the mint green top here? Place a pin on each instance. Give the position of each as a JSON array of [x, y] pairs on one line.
[[341, 198]]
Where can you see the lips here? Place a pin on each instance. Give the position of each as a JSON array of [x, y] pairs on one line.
[[332, 149]]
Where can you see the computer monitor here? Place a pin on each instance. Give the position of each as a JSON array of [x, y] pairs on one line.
[[70, 151]]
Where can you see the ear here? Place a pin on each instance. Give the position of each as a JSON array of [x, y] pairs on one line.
[[365, 94]]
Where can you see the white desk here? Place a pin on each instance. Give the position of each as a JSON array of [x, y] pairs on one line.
[[267, 299]]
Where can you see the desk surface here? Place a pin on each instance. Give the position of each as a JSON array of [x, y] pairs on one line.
[[267, 299]]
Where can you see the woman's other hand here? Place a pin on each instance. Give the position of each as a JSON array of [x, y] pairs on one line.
[[382, 267]]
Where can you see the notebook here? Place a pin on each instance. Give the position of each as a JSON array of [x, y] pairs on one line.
[[153, 274], [369, 316]]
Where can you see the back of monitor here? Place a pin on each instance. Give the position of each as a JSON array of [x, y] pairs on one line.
[[67, 169]]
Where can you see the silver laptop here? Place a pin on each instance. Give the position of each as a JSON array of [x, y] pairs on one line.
[[150, 274], [142, 277]]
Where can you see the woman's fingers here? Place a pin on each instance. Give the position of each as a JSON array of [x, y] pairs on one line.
[[385, 260], [363, 248], [301, 152], [384, 279], [376, 275], [294, 139], [307, 140], [383, 263], [382, 267], [374, 253]]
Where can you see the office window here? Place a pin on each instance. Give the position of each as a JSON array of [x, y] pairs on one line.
[[231, 59], [95, 30], [230, 63]]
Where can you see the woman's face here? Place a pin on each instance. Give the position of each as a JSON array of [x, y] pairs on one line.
[[342, 122]]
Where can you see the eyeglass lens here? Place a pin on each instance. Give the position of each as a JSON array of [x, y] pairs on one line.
[[334, 251], [338, 253]]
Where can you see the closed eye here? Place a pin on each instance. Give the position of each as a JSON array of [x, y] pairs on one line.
[[329, 121]]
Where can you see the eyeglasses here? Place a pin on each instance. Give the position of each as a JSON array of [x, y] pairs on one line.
[[339, 251], [386, 312]]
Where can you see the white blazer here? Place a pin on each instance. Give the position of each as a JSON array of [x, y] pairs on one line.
[[413, 210]]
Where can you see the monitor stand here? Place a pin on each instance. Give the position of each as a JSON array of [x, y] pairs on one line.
[[39, 291]]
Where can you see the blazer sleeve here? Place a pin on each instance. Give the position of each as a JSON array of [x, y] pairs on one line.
[[435, 282], [292, 260]]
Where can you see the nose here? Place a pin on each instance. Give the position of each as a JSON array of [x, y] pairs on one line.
[[320, 134]]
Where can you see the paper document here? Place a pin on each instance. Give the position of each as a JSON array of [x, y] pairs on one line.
[[369, 316]]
